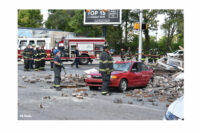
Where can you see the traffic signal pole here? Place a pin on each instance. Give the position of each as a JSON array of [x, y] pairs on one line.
[[140, 39], [104, 31]]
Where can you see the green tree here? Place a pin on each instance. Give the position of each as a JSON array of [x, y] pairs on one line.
[[130, 17], [173, 26], [30, 18], [59, 19], [149, 18], [114, 36], [77, 26]]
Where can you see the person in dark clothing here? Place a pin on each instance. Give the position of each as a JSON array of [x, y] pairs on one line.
[[105, 68], [43, 56], [76, 61], [37, 59], [33, 51], [27, 56], [122, 54], [129, 54], [52, 56], [57, 70]]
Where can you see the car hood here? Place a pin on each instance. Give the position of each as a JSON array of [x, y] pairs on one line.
[[113, 73], [177, 107]]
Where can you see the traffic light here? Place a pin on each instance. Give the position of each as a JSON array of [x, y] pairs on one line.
[[144, 26], [136, 26], [87, 10]]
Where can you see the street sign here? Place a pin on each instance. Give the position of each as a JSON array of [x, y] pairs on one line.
[[102, 16]]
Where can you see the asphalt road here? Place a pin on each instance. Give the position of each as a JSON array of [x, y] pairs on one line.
[[93, 107]]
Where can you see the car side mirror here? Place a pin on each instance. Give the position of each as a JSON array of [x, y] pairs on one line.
[[133, 70]]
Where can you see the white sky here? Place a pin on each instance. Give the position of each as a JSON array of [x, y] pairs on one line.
[[160, 32]]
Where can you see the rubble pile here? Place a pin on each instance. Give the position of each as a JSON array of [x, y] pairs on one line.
[[164, 88], [67, 81], [80, 93]]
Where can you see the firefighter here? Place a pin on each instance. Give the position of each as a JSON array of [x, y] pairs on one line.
[[105, 68], [37, 59], [27, 55], [52, 56], [122, 54], [43, 56], [128, 54], [150, 58], [33, 51], [57, 70], [143, 57], [76, 61]]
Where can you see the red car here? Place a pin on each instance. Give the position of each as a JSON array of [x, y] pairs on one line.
[[126, 74]]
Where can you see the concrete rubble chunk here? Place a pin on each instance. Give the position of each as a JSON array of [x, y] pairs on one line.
[[151, 100], [79, 97], [48, 81], [20, 86], [129, 94], [46, 97], [163, 98], [140, 99], [33, 80], [79, 90], [117, 100], [130, 102], [74, 94], [155, 103], [48, 77], [64, 95], [41, 106]]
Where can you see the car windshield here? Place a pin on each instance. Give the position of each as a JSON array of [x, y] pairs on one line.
[[122, 67]]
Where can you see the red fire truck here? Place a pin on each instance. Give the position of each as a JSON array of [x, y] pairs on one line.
[[89, 48]]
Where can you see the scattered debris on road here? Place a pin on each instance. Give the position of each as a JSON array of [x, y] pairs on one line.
[[117, 100], [41, 106]]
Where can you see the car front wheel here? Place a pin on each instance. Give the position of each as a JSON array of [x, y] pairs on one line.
[[123, 85]]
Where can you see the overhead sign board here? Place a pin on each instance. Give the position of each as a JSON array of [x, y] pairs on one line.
[[102, 17]]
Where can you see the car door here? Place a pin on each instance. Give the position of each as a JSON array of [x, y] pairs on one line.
[[145, 74], [134, 75]]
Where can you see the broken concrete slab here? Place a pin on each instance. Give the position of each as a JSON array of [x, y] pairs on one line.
[[20, 86], [46, 97], [64, 95], [130, 102], [117, 100]]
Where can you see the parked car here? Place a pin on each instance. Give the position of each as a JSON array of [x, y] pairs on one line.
[[175, 110], [126, 74], [176, 53]]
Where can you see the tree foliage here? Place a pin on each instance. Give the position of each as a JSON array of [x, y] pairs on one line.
[[121, 36], [30, 18], [173, 27], [58, 19]]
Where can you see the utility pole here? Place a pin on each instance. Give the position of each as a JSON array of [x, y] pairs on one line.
[[157, 38], [140, 39], [104, 31]]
